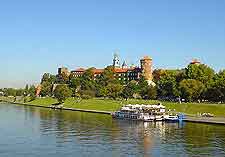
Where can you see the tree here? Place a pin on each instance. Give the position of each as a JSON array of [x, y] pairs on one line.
[[167, 86], [216, 91], [75, 84], [101, 91], [62, 92], [130, 89], [47, 77], [191, 89], [46, 89], [151, 93], [26, 90], [114, 90], [31, 92], [104, 83], [200, 72], [10, 92], [107, 76]]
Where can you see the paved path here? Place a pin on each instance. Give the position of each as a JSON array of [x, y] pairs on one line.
[[188, 118], [213, 120]]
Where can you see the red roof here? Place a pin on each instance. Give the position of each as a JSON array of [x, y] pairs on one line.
[[195, 61], [98, 71], [121, 70], [79, 70]]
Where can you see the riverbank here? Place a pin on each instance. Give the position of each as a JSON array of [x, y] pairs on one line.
[[109, 105], [99, 106]]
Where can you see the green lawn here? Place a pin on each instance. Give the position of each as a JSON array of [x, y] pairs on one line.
[[113, 105]]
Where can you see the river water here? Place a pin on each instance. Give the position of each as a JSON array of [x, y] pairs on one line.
[[31, 131]]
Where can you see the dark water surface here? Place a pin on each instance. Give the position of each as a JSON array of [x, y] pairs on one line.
[[30, 131]]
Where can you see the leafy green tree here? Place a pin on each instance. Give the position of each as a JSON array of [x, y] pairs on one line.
[[9, 92], [149, 92], [191, 89], [87, 80], [32, 91], [88, 74], [62, 92], [200, 72], [167, 86], [216, 91], [114, 90], [19, 92], [130, 89], [63, 78], [46, 89], [87, 94], [47, 77], [101, 91], [107, 76], [52, 79], [75, 84], [26, 90]]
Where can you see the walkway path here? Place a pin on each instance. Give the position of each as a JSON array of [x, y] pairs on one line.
[[214, 120], [188, 118]]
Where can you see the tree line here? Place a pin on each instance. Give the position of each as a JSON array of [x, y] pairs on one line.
[[27, 93], [196, 82]]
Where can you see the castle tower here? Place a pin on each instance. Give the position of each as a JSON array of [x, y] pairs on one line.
[[195, 61], [116, 60], [63, 70], [146, 67], [124, 65]]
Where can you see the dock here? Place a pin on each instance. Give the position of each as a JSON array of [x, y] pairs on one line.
[[210, 120]]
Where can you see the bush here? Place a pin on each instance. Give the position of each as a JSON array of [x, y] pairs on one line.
[[87, 94]]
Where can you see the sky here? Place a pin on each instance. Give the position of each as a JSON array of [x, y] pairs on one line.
[[40, 36]]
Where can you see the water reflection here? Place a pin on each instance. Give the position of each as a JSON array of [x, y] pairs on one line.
[[87, 134]]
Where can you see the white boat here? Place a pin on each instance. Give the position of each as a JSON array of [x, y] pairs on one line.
[[141, 112], [171, 118]]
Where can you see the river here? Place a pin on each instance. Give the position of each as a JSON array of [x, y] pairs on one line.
[[32, 131]]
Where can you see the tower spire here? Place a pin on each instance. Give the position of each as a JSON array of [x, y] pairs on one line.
[[116, 60]]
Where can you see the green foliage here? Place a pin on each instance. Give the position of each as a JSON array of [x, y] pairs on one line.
[[149, 92], [170, 84], [9, 92], [46, 89], [191, 89], [216, 91], [75, 84], [101, 91], [130, 89], [26, 90], [107, 76], [19, 92], [62, 92], [88, 74], [87, 81], [114, 90], [87, 94], [167, 85], [200, 72], [31, 92]]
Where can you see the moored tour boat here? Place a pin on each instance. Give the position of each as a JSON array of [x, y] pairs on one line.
[[141, 112], [146, 113]]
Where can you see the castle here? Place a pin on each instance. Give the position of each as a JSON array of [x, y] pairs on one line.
[[122, 72]]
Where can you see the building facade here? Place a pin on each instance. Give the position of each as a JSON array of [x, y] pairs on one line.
[[123, 73]]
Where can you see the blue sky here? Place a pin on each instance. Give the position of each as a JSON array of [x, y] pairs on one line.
[[40, 36]]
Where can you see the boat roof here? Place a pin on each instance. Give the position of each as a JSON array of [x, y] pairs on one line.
[[145, 106]]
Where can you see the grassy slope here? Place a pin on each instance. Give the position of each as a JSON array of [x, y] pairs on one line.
[[112, 105]]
